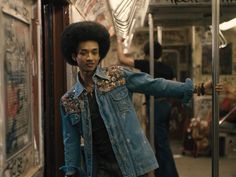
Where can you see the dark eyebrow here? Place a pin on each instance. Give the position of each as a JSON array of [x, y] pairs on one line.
[[95, 49]]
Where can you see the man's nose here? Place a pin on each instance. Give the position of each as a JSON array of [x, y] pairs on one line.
[[90, 56]]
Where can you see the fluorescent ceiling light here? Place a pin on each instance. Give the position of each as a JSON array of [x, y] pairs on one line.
[[227, 25]]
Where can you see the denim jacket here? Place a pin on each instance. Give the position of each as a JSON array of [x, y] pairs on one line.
[[113, 90]]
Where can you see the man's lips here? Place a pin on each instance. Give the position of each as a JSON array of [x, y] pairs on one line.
[[90, 64]]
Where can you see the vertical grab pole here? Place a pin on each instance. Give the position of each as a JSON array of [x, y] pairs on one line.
[[159, 38], [151, 66], [215, 79]]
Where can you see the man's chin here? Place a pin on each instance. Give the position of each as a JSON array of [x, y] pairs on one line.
[[90, 70]]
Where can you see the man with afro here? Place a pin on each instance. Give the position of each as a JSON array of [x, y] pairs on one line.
[[101, 132]]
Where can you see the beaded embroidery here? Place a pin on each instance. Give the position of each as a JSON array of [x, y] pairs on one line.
[[71, 103], [116, 78]]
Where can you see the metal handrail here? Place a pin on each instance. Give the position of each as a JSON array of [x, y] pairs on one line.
[[227, 115], [223, 41]]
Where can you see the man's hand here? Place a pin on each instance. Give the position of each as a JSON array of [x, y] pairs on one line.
[[124, 59], [208, 86]]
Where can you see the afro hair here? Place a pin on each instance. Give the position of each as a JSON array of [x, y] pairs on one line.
[[80, 32], [157, 49]]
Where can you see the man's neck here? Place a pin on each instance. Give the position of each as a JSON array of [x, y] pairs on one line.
[[86, 79]]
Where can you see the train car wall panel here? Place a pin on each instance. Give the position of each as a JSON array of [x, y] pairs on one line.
[[188, 2], [202, 38], [188, 12], [2, 97], [17, 85], [95, 11], [17, 150]]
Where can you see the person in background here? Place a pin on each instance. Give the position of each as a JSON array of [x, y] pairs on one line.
[[162, 112], [98, 109]]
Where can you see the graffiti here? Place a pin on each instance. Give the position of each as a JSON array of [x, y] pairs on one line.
[[91, 8], [16, 61], [95, 10], [16, 9], [19, 165]]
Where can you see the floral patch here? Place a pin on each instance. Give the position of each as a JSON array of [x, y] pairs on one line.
[[71, 103], [116, 78]]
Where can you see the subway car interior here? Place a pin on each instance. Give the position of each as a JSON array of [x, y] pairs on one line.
[[198, 40]]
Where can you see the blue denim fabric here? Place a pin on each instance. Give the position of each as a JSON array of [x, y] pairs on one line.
[[113, 90]]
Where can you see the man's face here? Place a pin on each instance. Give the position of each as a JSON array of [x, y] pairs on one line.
[[88, 56]]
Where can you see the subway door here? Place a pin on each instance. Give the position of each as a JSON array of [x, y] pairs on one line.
[[55, 17]]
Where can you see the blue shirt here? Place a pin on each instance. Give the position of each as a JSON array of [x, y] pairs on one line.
[[113, 90]]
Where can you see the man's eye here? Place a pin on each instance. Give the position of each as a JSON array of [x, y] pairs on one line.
[[95, 52], [82, 53]]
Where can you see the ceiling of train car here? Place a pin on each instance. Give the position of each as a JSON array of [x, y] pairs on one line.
[[127, 15], [170, 14]]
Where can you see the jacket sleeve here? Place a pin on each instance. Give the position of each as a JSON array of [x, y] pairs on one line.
[[144, 83], [71, 141]]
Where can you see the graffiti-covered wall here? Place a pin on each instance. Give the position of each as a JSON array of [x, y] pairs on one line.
[[18, 154]]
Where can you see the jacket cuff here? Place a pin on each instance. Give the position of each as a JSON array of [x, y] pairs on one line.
[[69, 170], [188, 93]]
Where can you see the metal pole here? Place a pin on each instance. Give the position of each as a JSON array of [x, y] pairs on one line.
[[151, 66], [159, 38], [215, 79]]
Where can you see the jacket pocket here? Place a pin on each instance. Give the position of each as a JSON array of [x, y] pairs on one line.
[[74, 118], [120, 97]]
